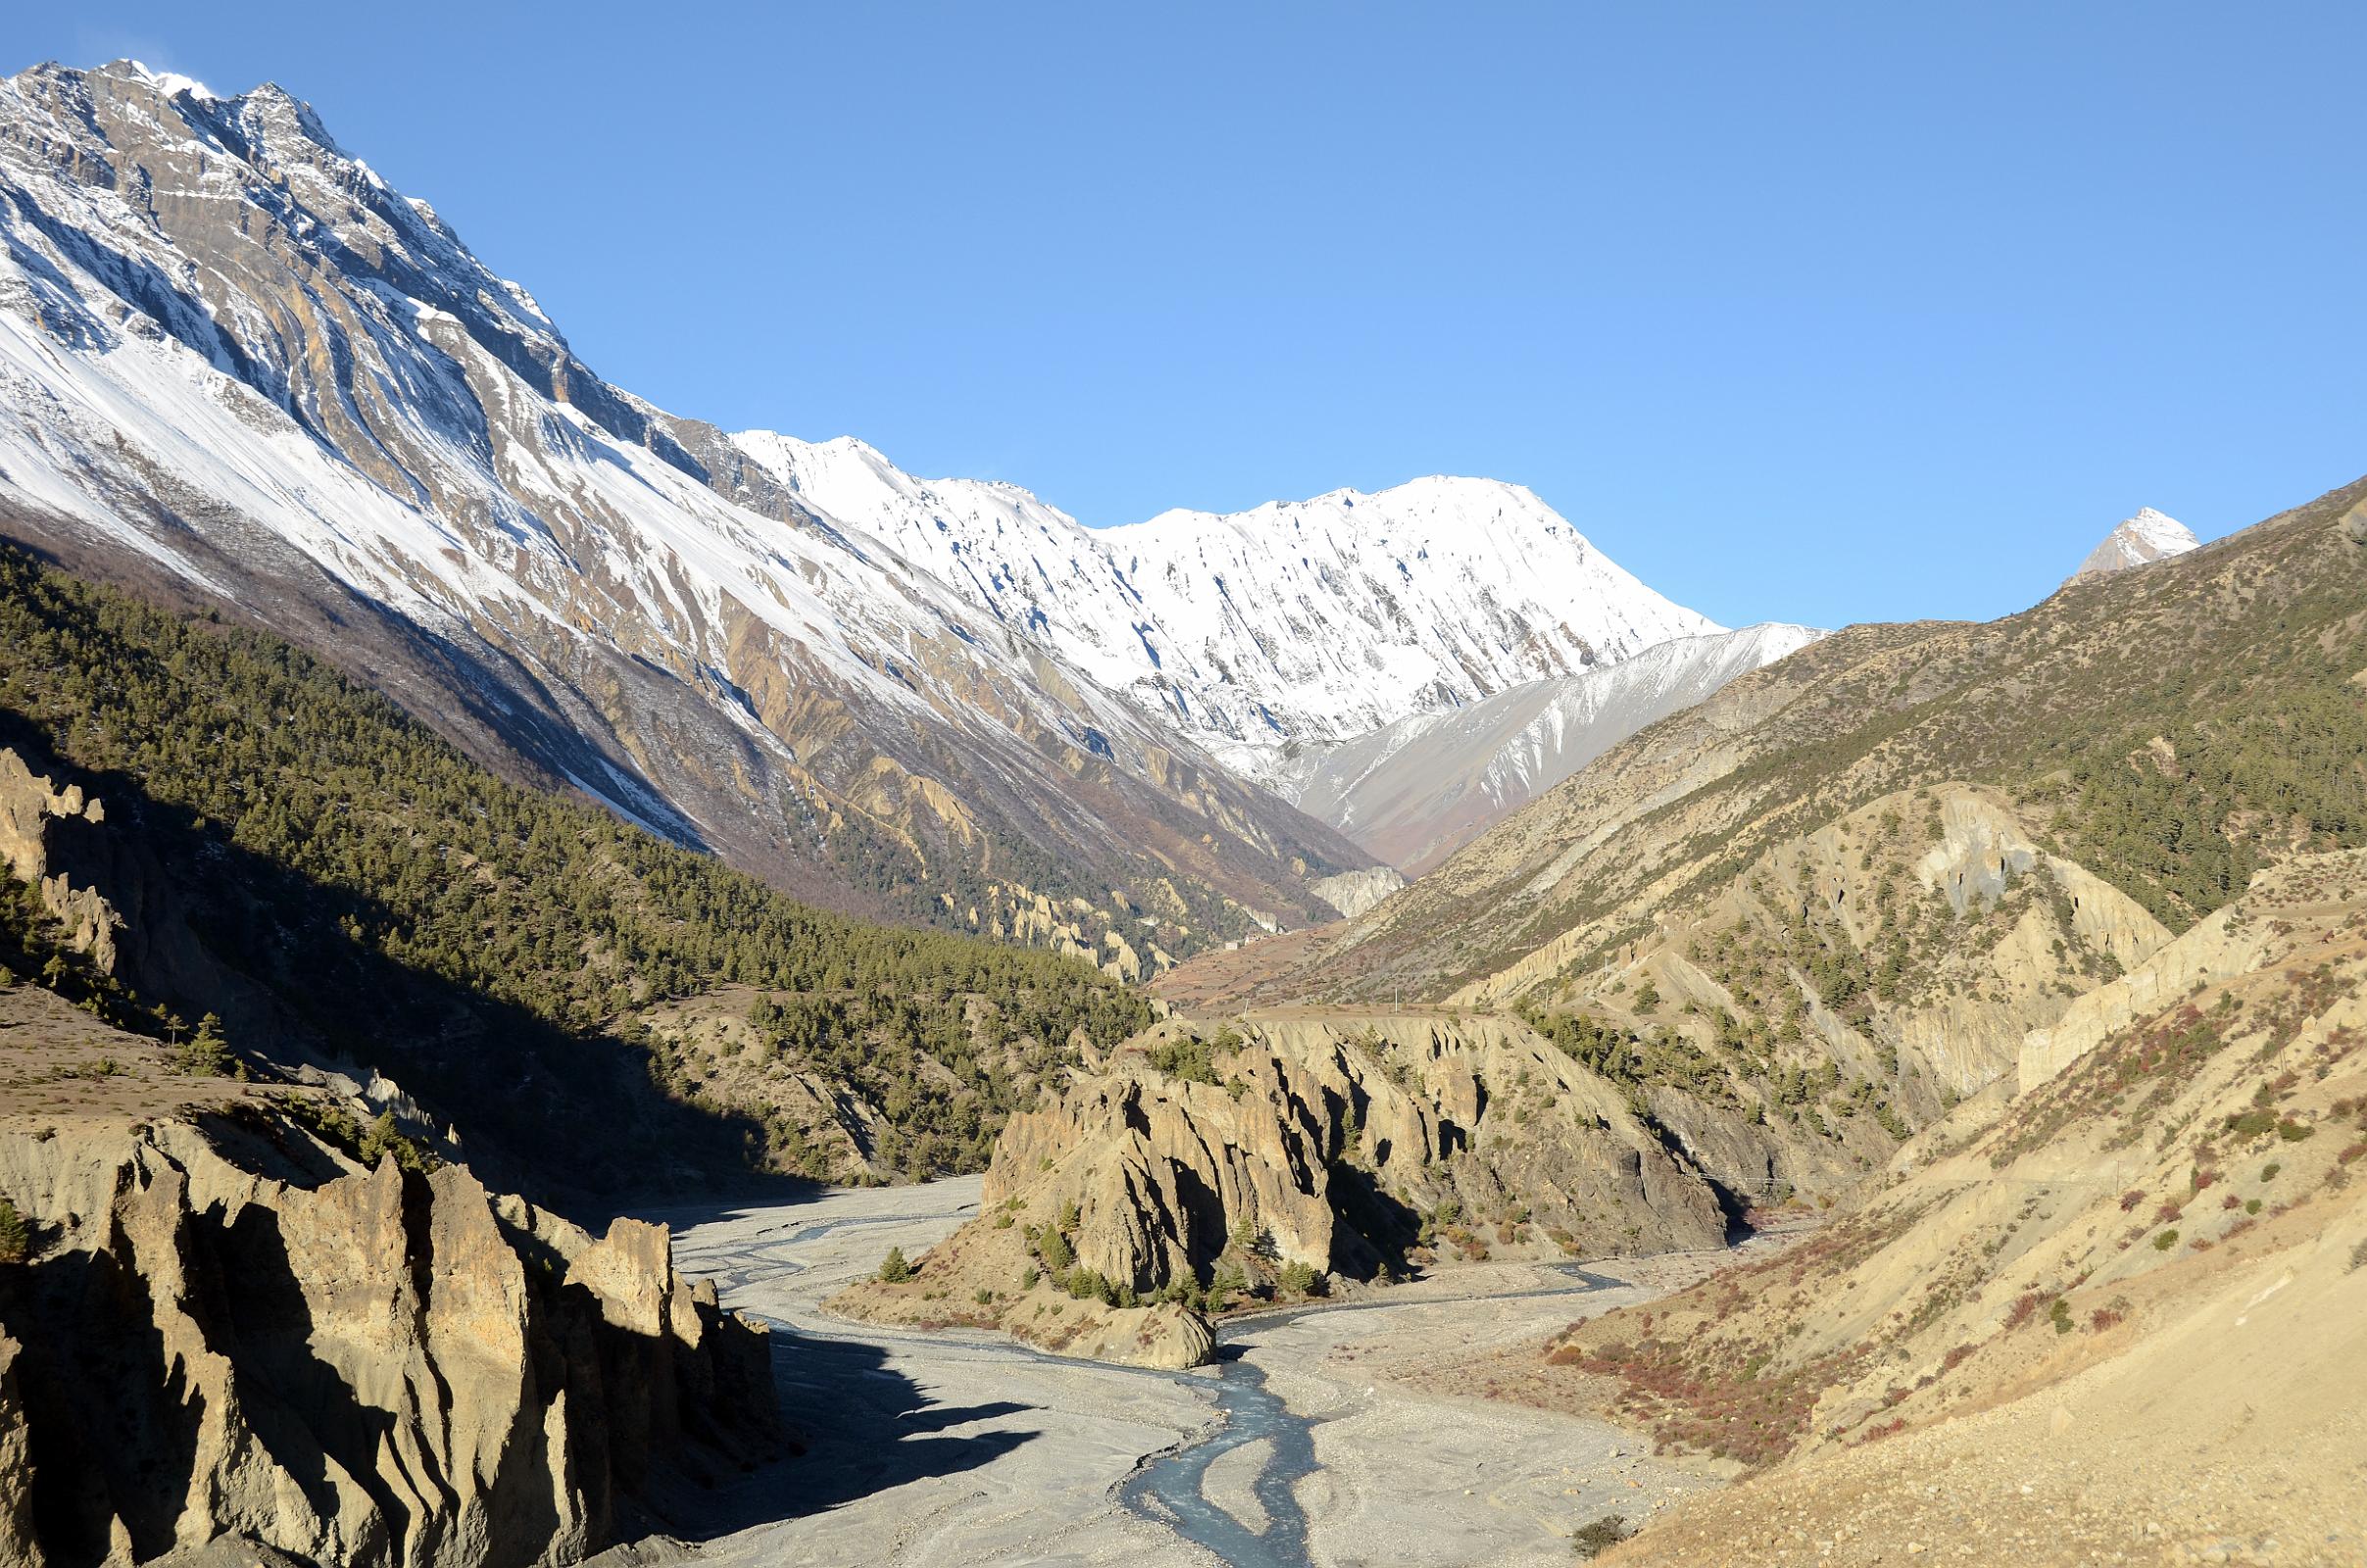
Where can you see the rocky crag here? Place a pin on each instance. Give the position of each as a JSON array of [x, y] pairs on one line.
[[1224, 1165], [215, 1325]]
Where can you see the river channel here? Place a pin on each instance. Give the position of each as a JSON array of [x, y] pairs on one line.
[[1298, 1448]]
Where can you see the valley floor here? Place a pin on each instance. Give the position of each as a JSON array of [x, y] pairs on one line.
[[965, 1449]]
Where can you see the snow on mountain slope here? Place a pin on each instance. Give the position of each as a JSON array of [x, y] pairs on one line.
[[232, 360], [1415, 791], [1298, 622], [1328, 615], [2146, 537]]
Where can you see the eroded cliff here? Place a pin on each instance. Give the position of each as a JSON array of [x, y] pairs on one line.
[[352, 1366]]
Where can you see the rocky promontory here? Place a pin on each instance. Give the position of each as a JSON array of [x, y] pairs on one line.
[[220, 1329]]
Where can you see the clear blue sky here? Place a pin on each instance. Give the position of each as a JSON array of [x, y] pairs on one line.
[[1803, 312]]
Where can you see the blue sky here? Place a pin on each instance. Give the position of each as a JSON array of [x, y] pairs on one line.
[[1803, 312]]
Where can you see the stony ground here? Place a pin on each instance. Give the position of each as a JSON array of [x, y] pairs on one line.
[[960, 1448]]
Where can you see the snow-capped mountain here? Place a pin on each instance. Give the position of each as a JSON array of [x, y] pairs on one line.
[[238, 369], [235, 366], [1298, 622], [1415, 791], [2138, 541]]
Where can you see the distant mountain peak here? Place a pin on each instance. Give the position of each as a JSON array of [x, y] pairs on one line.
[[2138, 541]]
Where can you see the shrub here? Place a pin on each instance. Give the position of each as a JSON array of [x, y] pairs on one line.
[[1600, 1536], [383, 1138], [1087, 1283], [1189, 1059], [2268, 1172], [206, 1054], [2292, 1132], [1030, 1277], [1056, 1251], [892, 1269], [2165, 1241], [16, 1237], [2358, 1257], [2130, 1200], [2060, 1315]]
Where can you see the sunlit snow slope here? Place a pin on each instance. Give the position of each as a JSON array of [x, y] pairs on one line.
[[237, 368]]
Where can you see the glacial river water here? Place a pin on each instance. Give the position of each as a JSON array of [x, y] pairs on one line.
[[1171, 1487]]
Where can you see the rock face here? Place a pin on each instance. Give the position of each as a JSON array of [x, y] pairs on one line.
[[382, 1368], [32, 814], [2138, 541], [1350, 1147], [1352, 893]]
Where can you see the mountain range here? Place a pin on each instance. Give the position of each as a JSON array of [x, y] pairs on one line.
[[1956, 963], [240, 371]]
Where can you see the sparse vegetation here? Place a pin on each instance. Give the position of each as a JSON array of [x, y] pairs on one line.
[[1592, 1539]]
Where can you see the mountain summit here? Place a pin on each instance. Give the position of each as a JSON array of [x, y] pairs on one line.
[[239, 370], [1297, 622], [2138, 541]]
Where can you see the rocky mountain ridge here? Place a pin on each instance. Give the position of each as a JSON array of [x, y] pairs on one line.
[[243, 372], [2169, 730], [1295, 622], [2138, 541], [238, 369]]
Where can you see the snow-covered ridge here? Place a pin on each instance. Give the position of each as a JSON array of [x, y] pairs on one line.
[[2138, 541], [1297, 622], [230, 348]]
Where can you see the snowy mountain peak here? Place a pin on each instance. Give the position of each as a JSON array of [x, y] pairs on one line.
[[1296, 621], [171, 83], [2138, 541], [231, 351]]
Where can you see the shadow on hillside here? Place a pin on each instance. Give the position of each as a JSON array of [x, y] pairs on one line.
[[860, 1429], [570, 1117]]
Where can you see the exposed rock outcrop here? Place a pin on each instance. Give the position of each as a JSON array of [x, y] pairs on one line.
[[382, 1368], [1352, 893], [1346, 1148], [32, 814]]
